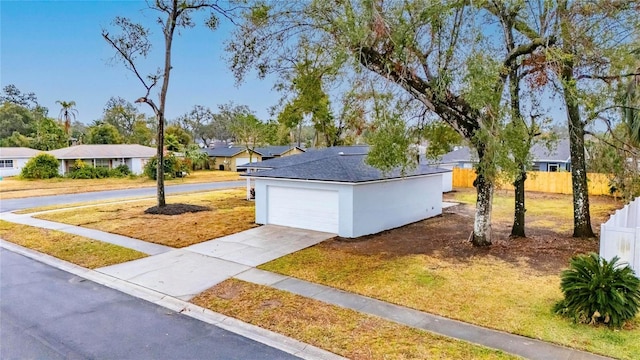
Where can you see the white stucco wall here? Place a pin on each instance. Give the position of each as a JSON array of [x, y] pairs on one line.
[[386, 205], [369, 208], [136, 165], [18, 164]]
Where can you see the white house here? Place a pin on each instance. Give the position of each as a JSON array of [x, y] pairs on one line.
[[334, 190], [108, 155], [12, 159]]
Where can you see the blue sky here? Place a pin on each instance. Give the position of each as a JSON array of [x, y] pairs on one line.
[[55, 49]]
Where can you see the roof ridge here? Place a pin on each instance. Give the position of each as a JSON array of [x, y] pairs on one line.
[[350, 174]]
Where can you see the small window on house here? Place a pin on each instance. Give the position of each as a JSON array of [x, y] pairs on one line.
[[553, 167], [6, 163], [535, 167], [103, 163]]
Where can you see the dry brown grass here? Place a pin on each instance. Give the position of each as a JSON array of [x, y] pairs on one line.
[[230, 213], [13, 188], [75, 249], [341, 331], [480, 287]]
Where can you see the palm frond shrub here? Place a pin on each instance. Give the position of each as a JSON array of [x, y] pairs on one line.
[[599, 291]]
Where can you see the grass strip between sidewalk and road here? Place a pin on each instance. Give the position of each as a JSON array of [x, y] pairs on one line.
[[342, 331], [78, 250]]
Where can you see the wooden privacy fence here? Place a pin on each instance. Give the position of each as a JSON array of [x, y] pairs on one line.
[[620, 236], [549, 182]]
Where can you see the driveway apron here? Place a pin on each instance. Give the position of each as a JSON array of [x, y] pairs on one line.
[[183, 273]]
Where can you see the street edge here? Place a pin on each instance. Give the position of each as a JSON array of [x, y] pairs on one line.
[[253, 332]]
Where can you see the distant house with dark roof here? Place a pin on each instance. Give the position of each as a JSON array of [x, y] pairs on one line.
[[230, 157], [13, 159], [334, 190], [558, 158], [105, 155], [270, 152]]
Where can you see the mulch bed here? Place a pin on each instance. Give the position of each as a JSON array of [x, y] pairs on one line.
[[446, 236], [175, 209]]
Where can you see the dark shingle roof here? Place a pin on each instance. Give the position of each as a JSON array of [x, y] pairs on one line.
[[228, 151], [274, 150], [339, 164], [309, 155]]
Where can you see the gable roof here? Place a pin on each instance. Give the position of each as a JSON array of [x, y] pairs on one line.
[[559, 152], [104, 151], [275, 150], [18, 152], [337, 164], [227, 151]]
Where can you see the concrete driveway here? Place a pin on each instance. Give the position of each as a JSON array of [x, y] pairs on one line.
[[183, 273]]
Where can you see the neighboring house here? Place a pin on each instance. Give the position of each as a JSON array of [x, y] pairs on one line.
[[334, 190], [108, 156], [556, 159], [12, 159], [230, 157], [461, 157], [270, 152]]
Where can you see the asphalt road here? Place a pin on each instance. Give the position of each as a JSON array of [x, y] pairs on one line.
[[46, 313], [17, 204]]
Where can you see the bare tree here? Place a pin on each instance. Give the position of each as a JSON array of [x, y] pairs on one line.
[[133, 43]]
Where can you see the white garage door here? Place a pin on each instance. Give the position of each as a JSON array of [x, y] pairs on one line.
[[311, 209], [242, 161]]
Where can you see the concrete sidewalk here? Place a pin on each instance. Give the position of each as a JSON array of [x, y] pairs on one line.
[[180, 274]]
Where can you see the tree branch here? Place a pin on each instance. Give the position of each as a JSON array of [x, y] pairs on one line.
[[127, 59], [608, 78]]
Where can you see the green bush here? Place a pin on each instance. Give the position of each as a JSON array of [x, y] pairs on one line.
[[598, 291], [123, 170], [173, 167], [82, 171], [85, 172], [41, 166]]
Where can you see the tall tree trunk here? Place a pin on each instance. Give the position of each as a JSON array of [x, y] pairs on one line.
[[169, 29], [482, 220], [581, 217], [517, 230], [160, 168], [484, 201]]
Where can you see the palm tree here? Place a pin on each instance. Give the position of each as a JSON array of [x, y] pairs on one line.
[[67, 112]]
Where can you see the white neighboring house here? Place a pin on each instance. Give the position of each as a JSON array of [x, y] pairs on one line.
[[334, 190], [12, 159], [109, 156]]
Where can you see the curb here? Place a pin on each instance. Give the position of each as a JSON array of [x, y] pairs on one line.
[[267, 337]]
